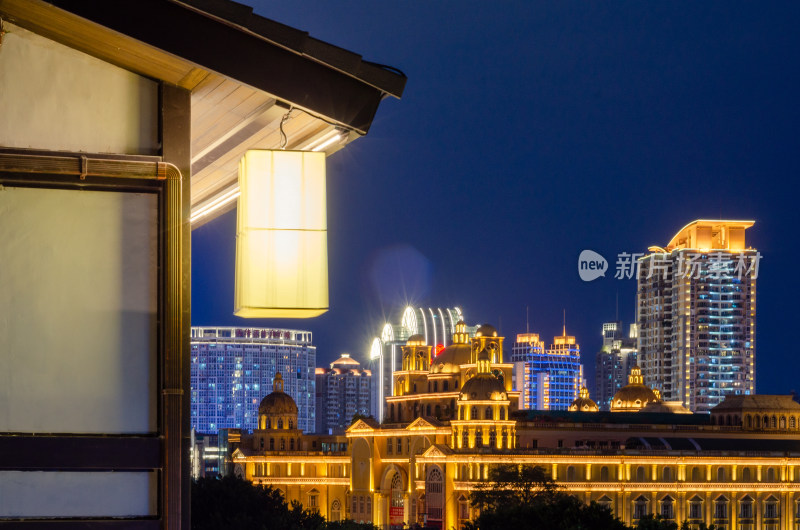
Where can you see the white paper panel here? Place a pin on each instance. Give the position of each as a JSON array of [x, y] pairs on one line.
[[77, 311], [76, 494]]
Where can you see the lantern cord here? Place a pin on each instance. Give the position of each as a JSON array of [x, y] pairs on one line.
[[284, 139]]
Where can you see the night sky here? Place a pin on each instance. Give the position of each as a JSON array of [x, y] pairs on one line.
[[530, 131]]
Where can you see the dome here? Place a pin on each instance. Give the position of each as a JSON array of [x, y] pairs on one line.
[[482, 387], [584, 403], [486, 330], [415, 340], [670, 407], [278, 402], [635, 395], [451, 358]]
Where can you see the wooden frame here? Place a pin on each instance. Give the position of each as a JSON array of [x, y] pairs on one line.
[[167, 450]]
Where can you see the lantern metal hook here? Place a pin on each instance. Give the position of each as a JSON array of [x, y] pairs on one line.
[[284, 138]]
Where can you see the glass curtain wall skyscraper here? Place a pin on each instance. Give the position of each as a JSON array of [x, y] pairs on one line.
[[548, 379], [696, 310], [614, 361], [435, 325], [232, 370]]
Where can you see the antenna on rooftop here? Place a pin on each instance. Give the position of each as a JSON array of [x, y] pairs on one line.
[[527, 322]]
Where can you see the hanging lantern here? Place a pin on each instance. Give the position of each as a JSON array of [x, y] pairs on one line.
[[281, 235]]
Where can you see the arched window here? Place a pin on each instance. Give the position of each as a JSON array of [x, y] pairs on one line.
[[291, 424], [667, 508], [502, 413], [748, 422], [460, 413], [396, 501], [666, 474], [492, 437], [571, 473], [696, 474], [720, 474], [792, 422], [283, 444], [280, 423], [765, 422], [473, 414], [336, 511], [746, 477], [640, 475], [782, 423], [479, 438], [291, 444], [272, 444], [428, 409], [445, 386], [604, 474], [756, 422], [261, 443], [437, 411], [771, 474], [773, 422], [434, 497], [465, 438], [436, 386], [269, 422]]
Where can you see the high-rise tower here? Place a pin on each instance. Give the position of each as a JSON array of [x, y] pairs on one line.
[[696, 307], [614, 361]]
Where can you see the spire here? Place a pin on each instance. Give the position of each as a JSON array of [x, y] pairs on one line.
[[277, 383], [565, 323]]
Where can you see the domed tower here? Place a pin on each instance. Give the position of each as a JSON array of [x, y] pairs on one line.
[[277, 420], [584, 403], [483, 410], [412, 378], [635, 395], [416, 354], [486, 338]]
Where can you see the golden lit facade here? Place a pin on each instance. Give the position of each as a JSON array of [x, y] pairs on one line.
[[314, 470], [422, 469], [696, 307]]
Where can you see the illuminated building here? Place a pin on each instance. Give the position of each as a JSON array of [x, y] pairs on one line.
[[614, 361], [547, 379], [312, 469], [342, 392], [435, 326], [420, 466], [696, 308], [231, 367]]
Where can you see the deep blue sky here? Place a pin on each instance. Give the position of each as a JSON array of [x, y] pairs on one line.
[[530, 131]]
